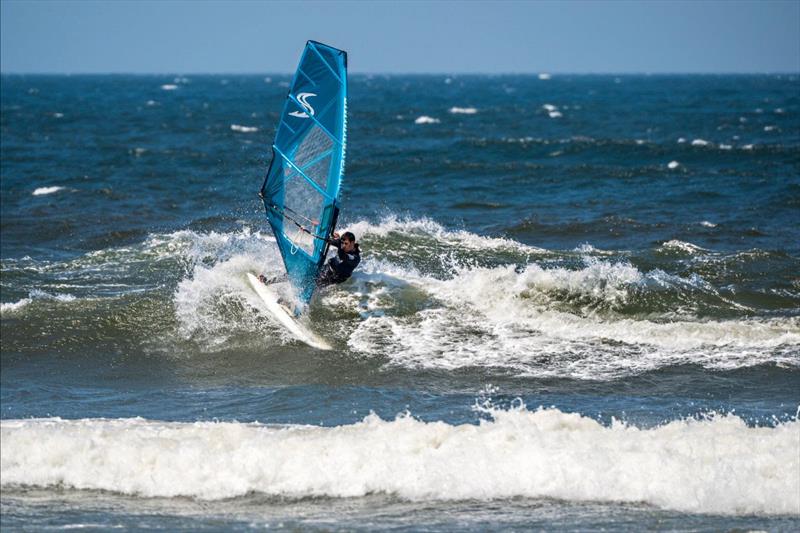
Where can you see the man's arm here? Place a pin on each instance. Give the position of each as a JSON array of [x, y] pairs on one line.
[[335, 241]]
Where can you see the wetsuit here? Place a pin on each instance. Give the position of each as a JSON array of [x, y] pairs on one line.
[[340, 266]]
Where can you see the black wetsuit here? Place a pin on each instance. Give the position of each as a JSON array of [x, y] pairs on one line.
[[340, 266]]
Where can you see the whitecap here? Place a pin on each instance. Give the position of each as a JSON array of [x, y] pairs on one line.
[[672, 165], [424, 119], [427, 227], [169, 87], [682, 246], [35, 294], [59, 297], [588, 249], [463, 110], [700, 142], [243, 129], [47, 190], [10, 307], [544, 76]]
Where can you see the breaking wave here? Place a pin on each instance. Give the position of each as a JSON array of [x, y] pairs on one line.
[[430, 297], [685, 465]]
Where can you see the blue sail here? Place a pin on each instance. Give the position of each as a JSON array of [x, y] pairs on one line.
[[302, 184]]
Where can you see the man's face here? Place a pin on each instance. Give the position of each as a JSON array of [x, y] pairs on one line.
[[348, 245]]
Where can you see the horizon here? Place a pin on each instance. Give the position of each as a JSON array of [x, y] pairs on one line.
[[421, 74]]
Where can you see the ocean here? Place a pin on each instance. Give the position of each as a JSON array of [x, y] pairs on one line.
[[578, 307]]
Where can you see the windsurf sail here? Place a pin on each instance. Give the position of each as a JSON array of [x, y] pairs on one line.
[[301, 189]]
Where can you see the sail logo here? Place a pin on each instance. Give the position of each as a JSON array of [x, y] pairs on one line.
[[303, 99]]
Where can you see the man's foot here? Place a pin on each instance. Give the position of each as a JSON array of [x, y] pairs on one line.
[[262, 279]]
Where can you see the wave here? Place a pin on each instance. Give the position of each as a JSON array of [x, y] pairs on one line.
[[558, 322], [10, 307], [215, 304], [40, 191], [35, 294], [715, 465], [424, 227], [688, 248], [430, 297], [517, 148]]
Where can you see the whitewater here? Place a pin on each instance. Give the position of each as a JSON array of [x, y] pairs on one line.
[[686, 465]]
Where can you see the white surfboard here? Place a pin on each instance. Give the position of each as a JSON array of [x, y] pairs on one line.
[[284, 316]]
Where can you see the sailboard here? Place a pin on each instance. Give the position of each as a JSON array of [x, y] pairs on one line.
[[301, 188], [284, 316]]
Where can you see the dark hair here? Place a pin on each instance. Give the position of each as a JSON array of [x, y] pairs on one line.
[[349, 236]]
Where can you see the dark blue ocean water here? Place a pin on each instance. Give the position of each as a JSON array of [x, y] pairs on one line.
[[578, 307]]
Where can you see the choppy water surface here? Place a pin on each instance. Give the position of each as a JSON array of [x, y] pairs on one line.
[[578, 307]]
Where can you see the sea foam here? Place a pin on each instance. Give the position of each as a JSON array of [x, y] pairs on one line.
[[555, 321], [424, 226], [10, 307], [714, 465]]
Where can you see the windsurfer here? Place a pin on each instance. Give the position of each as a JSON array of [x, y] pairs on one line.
[[340, 267]]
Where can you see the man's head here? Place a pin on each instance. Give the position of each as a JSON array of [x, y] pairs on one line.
[[348, 241]]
